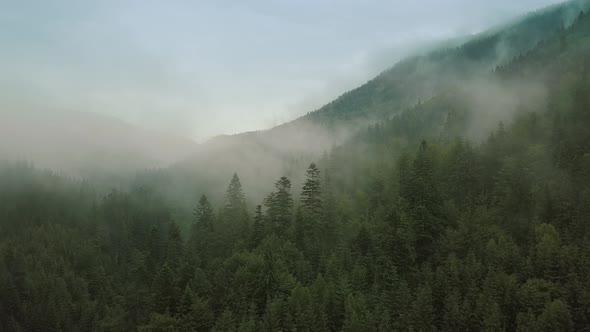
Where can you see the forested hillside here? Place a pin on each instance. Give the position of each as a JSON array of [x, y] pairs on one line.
[[423, 221], [264, 155], [424, 76]]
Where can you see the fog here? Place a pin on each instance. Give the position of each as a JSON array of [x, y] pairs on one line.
[[352, 165], [111, 88], [207, 68], [81, 143], [492, 102]]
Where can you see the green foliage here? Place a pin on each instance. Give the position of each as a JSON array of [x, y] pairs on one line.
[[279, 206], [311, 194], [452, 235], [203, 214]]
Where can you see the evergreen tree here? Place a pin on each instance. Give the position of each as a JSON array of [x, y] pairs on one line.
[[234, 198], [174, 247], [423, 310], [234, 219], [424, 202], [279, 205], [155, 250], [203, 214], [473, 237], [164, 291], [283, 202], [311, 194], [257, 228]]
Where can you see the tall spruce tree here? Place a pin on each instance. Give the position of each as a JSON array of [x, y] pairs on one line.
[[234, 198], [257, 228], [203, 214], [283, 196], [311, 194], [280, 205], [174, 246]]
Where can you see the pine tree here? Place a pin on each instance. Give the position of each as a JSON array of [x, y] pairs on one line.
[[164, 291], [201, 317], [328, 224], [283, 201], [311, 195], [302, 309], [234, 198], [226, 322], [174, 247], [234, 220], [202, 237], [155, 250], [421, 189], [185, 305], [424, 202], [279, 205], [423, 310], [328, 200], [203, 214], [257, 234], [358, 317], [556, 317]]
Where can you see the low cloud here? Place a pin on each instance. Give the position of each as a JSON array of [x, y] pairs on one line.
[[203, 69]]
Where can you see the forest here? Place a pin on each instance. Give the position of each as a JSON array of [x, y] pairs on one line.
[[419, 222]]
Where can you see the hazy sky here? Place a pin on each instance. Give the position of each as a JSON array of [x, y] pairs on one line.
[[200, 68]]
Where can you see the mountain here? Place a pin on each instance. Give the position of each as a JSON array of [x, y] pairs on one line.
[[264, 155], [542, 88], [424, 76], [426, 221], [86, 144]]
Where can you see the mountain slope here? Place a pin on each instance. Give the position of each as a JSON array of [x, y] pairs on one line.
[[536, 91], [279, 150], [424, 76], [451, 236]]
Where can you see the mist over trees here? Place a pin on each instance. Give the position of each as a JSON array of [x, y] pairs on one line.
[[443, 215], [261, 157]]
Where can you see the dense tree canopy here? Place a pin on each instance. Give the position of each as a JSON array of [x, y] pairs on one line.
[[427, 231]]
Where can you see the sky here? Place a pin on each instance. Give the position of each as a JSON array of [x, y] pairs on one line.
[[203, 68]]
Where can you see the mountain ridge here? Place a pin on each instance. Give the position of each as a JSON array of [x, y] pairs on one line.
[[282, 149]]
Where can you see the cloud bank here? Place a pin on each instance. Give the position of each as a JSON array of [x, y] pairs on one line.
[[204, 68]]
